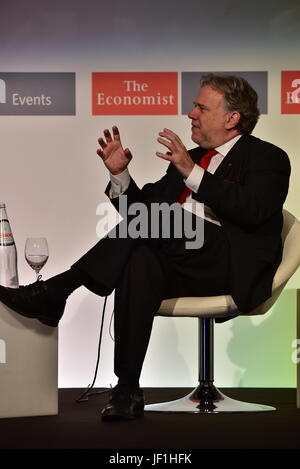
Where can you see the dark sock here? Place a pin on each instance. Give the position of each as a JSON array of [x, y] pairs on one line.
[[64, 284], [128, 384]]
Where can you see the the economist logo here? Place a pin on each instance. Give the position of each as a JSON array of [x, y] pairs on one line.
[[134, 93], [290, 92]]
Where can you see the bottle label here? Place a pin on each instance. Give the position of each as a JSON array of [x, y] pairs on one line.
[[6, 237]]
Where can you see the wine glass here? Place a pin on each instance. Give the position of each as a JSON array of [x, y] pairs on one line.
[[36, 254]]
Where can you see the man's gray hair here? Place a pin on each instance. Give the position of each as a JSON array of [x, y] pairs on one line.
[[239, 96]]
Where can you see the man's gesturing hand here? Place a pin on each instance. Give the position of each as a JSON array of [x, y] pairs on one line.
[[114, 157], [177, 153]]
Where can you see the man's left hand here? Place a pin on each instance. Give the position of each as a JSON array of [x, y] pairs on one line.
[[177, 153]]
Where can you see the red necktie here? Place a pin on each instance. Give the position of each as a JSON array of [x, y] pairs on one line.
[[204, 163]]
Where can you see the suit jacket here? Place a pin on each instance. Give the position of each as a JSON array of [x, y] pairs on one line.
[[247, 193]]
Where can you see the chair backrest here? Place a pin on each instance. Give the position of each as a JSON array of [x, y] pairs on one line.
[[214, 306], [290, 260]]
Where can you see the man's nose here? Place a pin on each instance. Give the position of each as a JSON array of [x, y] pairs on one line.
[[192, 114]]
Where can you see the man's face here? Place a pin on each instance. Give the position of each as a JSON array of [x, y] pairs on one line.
[[212, 124]]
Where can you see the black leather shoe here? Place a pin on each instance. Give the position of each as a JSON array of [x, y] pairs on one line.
[[124, 404], [34, 301]]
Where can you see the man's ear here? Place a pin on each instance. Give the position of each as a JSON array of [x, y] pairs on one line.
[[232, 119]]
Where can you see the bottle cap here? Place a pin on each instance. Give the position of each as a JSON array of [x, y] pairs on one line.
[[2, 205]]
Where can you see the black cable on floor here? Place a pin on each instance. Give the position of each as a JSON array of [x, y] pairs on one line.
[[86, 394]]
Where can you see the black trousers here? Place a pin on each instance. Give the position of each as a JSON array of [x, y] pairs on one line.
[[143, 272]]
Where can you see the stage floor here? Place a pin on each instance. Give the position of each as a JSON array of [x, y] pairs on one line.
[[79, 425]]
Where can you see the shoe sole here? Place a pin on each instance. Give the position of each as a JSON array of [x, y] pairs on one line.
[[120, 417], [48, 322]]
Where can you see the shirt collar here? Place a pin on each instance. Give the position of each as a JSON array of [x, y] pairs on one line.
[[226, 147]]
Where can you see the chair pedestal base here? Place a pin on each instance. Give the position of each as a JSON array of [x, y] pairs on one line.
[[207, 399]]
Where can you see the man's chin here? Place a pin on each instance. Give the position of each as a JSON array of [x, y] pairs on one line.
[[196, 139]]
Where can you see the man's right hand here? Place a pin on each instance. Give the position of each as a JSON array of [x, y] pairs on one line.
[[115, 158]]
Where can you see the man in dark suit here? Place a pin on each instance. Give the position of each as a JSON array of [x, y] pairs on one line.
[[242, 182]]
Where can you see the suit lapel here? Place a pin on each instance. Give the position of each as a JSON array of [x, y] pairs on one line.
[[197, 153], [232, 161], [176, 182], [231, 167], [230, 170]]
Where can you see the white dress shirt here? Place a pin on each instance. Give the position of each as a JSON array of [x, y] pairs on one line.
[[120, 182]]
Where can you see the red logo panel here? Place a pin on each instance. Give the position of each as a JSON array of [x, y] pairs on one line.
[[135, 93], [290, 92]]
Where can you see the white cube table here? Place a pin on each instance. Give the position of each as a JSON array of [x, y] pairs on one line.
[[28, 366]]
